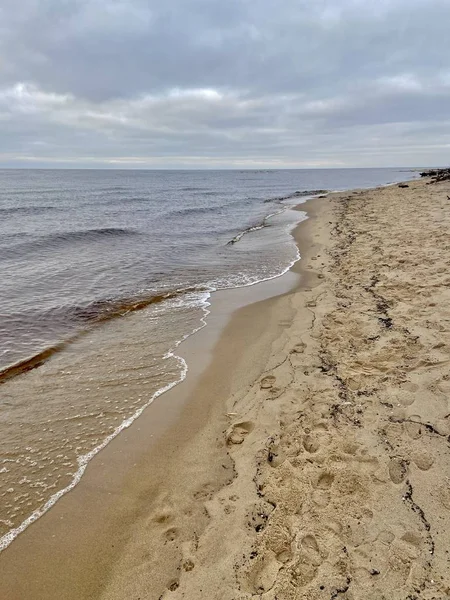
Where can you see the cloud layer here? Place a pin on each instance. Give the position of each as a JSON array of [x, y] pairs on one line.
[[207, 83]]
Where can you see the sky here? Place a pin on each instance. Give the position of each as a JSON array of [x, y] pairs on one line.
[[224, 83]]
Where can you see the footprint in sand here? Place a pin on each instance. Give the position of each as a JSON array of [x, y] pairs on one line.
[[299, 348], [386, 537], [398, 469], [423, 460], [321, 498], [171, 534], [350, 448], [413, 429], [320, 426], [335, 527], [284, 556], [444, 495], [405, 398], [267, 382], [238, 432], [173, 586], [310, 444], [301, 573], [188, 565], [163, 517], [263, 574], [275, 392], [443, 386], [311, 550], [325, 481], [412, 538], [322, 494]]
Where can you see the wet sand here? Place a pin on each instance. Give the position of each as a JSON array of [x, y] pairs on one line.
[[306, 456], [68, 552]]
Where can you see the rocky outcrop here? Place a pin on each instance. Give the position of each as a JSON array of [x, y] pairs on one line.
[[437, 174]]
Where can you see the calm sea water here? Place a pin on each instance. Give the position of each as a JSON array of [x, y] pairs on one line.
[[79, 249]]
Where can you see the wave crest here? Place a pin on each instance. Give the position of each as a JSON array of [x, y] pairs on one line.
[[58, 240]]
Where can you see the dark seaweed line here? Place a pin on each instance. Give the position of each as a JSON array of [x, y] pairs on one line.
[[119, 309]]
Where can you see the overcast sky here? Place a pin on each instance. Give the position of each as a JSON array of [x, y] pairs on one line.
[[224, 83]]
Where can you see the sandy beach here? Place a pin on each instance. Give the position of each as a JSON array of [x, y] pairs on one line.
[[307, 458]]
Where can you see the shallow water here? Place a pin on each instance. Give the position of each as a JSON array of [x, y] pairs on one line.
[[120, 265]]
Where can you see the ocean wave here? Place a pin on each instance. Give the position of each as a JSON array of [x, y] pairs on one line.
[[29, 192], [264, 223], [25, 210], [113, 188], [126, 200], [297, 194], [194, 210], [192, 189], [202, 191], [57, 240], [241, 234]]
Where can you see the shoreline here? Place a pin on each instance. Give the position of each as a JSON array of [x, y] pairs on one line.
[[42, 357], [23, 546], [298, 460]]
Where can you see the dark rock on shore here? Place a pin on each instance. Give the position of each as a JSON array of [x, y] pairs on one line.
[[437, 174]]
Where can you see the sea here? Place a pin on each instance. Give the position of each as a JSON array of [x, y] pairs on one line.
[[103, 273]]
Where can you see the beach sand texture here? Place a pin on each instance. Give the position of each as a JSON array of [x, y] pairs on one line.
[[341, 484], [328, 477]]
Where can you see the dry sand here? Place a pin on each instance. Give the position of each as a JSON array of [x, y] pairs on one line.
[[326, 475]]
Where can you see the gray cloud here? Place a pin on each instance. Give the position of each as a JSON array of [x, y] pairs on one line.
[[207, 83]]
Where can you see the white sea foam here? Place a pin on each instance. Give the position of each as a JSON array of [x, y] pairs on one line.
[[84, 460]]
